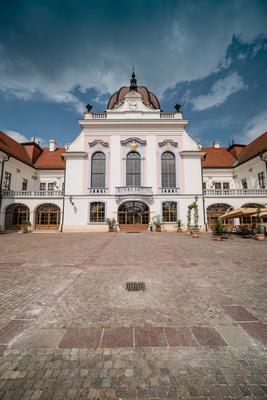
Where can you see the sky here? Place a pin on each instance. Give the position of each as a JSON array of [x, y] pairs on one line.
[[209, 56]]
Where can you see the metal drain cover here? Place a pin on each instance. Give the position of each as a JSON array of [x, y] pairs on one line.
[[135, 287]]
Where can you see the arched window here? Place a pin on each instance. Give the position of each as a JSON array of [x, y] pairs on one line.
[[16, 214], [98, 170], [97, 212], [133, 169], [168, 174], [48, 216], [169, 211]]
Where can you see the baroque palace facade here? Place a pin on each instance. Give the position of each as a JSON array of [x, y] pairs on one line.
[[131, 162]]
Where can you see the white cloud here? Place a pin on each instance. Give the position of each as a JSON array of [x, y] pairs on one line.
[[176, 45], [19, 137], [255, 127], [219, 92]]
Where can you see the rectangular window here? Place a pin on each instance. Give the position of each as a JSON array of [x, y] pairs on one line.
[[42, 186], [7, 181], [244, 184], [169, 211], [204, 185], [24, 184], [218, 185], [97, 212], [226, 185], [51, 186], [261, 178]]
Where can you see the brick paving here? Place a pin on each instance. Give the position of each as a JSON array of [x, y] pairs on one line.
[[70, 330]]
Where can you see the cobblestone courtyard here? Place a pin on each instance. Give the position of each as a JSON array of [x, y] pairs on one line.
[[69, 330]]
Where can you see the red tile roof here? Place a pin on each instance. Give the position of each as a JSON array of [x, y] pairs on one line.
[[22, 151], [254, 148], [51, 159], [217, 158], [13, 148]]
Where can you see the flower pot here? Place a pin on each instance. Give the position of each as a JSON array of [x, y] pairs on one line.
[[24, 228], [188, 233], [218, 238], [260, 236], [158, 229], [179, 230], [195, 235]]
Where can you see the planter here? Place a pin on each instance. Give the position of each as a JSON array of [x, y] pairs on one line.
[[179, 230], [158, 229], [188, 233], [260, 236], [195, 235], [24, 228], [218, 238]]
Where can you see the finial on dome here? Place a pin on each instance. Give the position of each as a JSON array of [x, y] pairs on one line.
[[133, 82]]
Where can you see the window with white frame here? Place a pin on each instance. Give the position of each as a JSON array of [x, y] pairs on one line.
[[226, 185], [98, 170], [42, 186], [168, 170], [51, 186], [24, 184], [7, 181], [244, 183], [133, 169], [169, 211], [261, 178], [97, 212]]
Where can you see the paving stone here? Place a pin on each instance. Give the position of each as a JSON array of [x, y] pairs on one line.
[[81, 338], [39, 338], [234, 336], [208, 336], [238, 313], [180, 336], [257, 330], [117, 337], [149, 337], [11, 330]]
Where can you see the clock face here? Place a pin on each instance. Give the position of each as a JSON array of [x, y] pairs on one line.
[[133, 106]]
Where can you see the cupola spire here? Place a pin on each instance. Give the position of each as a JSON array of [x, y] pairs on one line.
[[133, 82]]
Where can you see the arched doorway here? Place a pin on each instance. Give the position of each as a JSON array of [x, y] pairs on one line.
[[47, 216], [16, 214], [133, 215], [214, 211]]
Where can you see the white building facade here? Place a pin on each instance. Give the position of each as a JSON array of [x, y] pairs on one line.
[[133, 163]]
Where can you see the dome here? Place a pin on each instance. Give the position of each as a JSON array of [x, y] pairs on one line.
[[149, 98]]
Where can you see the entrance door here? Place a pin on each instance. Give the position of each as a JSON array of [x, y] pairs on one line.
[[133, 215], [48, 216]]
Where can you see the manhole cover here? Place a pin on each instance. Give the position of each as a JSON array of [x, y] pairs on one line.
[[135, 287]]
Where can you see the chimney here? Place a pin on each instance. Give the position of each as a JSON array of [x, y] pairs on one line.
[[216, 144], [52, 144]]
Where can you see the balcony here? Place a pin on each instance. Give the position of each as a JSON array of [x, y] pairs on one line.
[[235, 192], [98, 190], [32, 194], [171, 190], [134, 190]]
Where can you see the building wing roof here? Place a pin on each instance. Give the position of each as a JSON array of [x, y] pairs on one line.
[[50, 159], [254, 148], [13, 148], [217, 158], [46, 159]]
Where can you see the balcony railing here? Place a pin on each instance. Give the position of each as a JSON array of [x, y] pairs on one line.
[[99, 115], [235, 192], [172, 190], [134, 190], [98, 190], [33, 193]]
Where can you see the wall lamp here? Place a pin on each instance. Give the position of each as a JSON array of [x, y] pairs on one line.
[[71, 200]]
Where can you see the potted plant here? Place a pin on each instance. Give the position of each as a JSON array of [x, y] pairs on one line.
[[189, 211], [179, 225], [111, 222], [260, 229], [157, 223], [218, 230], [25, 226], [195, 233]]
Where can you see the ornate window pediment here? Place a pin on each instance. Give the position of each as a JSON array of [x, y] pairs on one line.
[[98, 142], [133, 140], [168, 142]]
